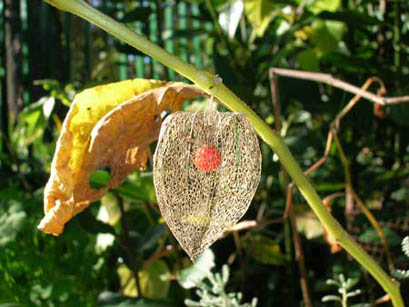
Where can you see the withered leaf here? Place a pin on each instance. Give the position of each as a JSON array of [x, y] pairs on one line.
[[108, 126]]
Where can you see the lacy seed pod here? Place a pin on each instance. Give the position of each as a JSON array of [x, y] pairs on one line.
[[206, 171]]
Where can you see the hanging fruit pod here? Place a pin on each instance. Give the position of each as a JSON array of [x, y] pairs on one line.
[[206, 171]]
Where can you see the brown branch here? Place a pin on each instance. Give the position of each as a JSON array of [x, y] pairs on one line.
[[299, 254], [332, 242], [383, 299], [363, 207], [329, 79], [168, 250], [251, 224], [351, 194], [299, 257], [315, 166], [356, 98]]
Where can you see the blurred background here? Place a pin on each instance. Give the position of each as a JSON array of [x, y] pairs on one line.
[[46, 56]]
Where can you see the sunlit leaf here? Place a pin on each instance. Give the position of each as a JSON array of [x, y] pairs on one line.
[[153, 280], [264, 250], [259, 13], [189, 277], [107, 127], [308, 223], [230, 16]]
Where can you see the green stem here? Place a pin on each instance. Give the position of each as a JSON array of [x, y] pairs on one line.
[[206, 82]]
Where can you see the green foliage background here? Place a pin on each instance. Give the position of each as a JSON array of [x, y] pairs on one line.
[[61, 55]]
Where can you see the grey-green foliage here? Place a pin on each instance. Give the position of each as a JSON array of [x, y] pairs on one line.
[[212, 292], [405, 246], [403, 274], [344, 291]]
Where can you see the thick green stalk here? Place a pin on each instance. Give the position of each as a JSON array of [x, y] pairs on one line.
[[206, 82]]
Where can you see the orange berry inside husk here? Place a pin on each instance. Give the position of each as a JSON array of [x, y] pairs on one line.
[[207, 158]]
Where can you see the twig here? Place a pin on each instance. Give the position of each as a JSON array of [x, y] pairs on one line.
[[350, 191], [300, 8], [363, 207], [159, 254], [299, 257], [334, 246], [383, 299], [299, 254], [315, 166], [328, 199], [351, 194], [251, 224], [329, 79], [356, 98]]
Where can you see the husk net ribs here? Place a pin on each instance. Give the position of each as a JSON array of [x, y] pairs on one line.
[[199, 205]]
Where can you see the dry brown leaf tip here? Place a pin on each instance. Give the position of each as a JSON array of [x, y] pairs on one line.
[[110, 127]]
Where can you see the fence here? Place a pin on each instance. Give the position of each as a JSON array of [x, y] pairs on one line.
[[40, 42]]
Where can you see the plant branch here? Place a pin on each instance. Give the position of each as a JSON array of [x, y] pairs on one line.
[[363, 207], [206, 82], [299, 253], [350, 191], [329, 79]]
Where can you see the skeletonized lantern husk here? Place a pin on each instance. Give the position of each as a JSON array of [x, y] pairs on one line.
[[200, 205]]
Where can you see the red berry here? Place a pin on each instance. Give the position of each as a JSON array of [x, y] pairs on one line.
[[207, 158]]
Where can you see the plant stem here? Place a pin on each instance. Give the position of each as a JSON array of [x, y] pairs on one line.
[[206, 82]]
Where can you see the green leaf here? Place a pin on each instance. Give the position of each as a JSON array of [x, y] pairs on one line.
[[371, 236], [230, 16], [138, 186], [351, 18], [264, 250], [400, 274], [324, 5], [399, 113], [327, 34], [155, 280], [260, 13], [330, 186], [89, 223], [151, 237], [11, 223], [307, 60], [308, 223], [99, 179], [191, 276]]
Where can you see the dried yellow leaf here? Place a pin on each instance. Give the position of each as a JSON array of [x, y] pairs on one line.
[[108, 126]]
